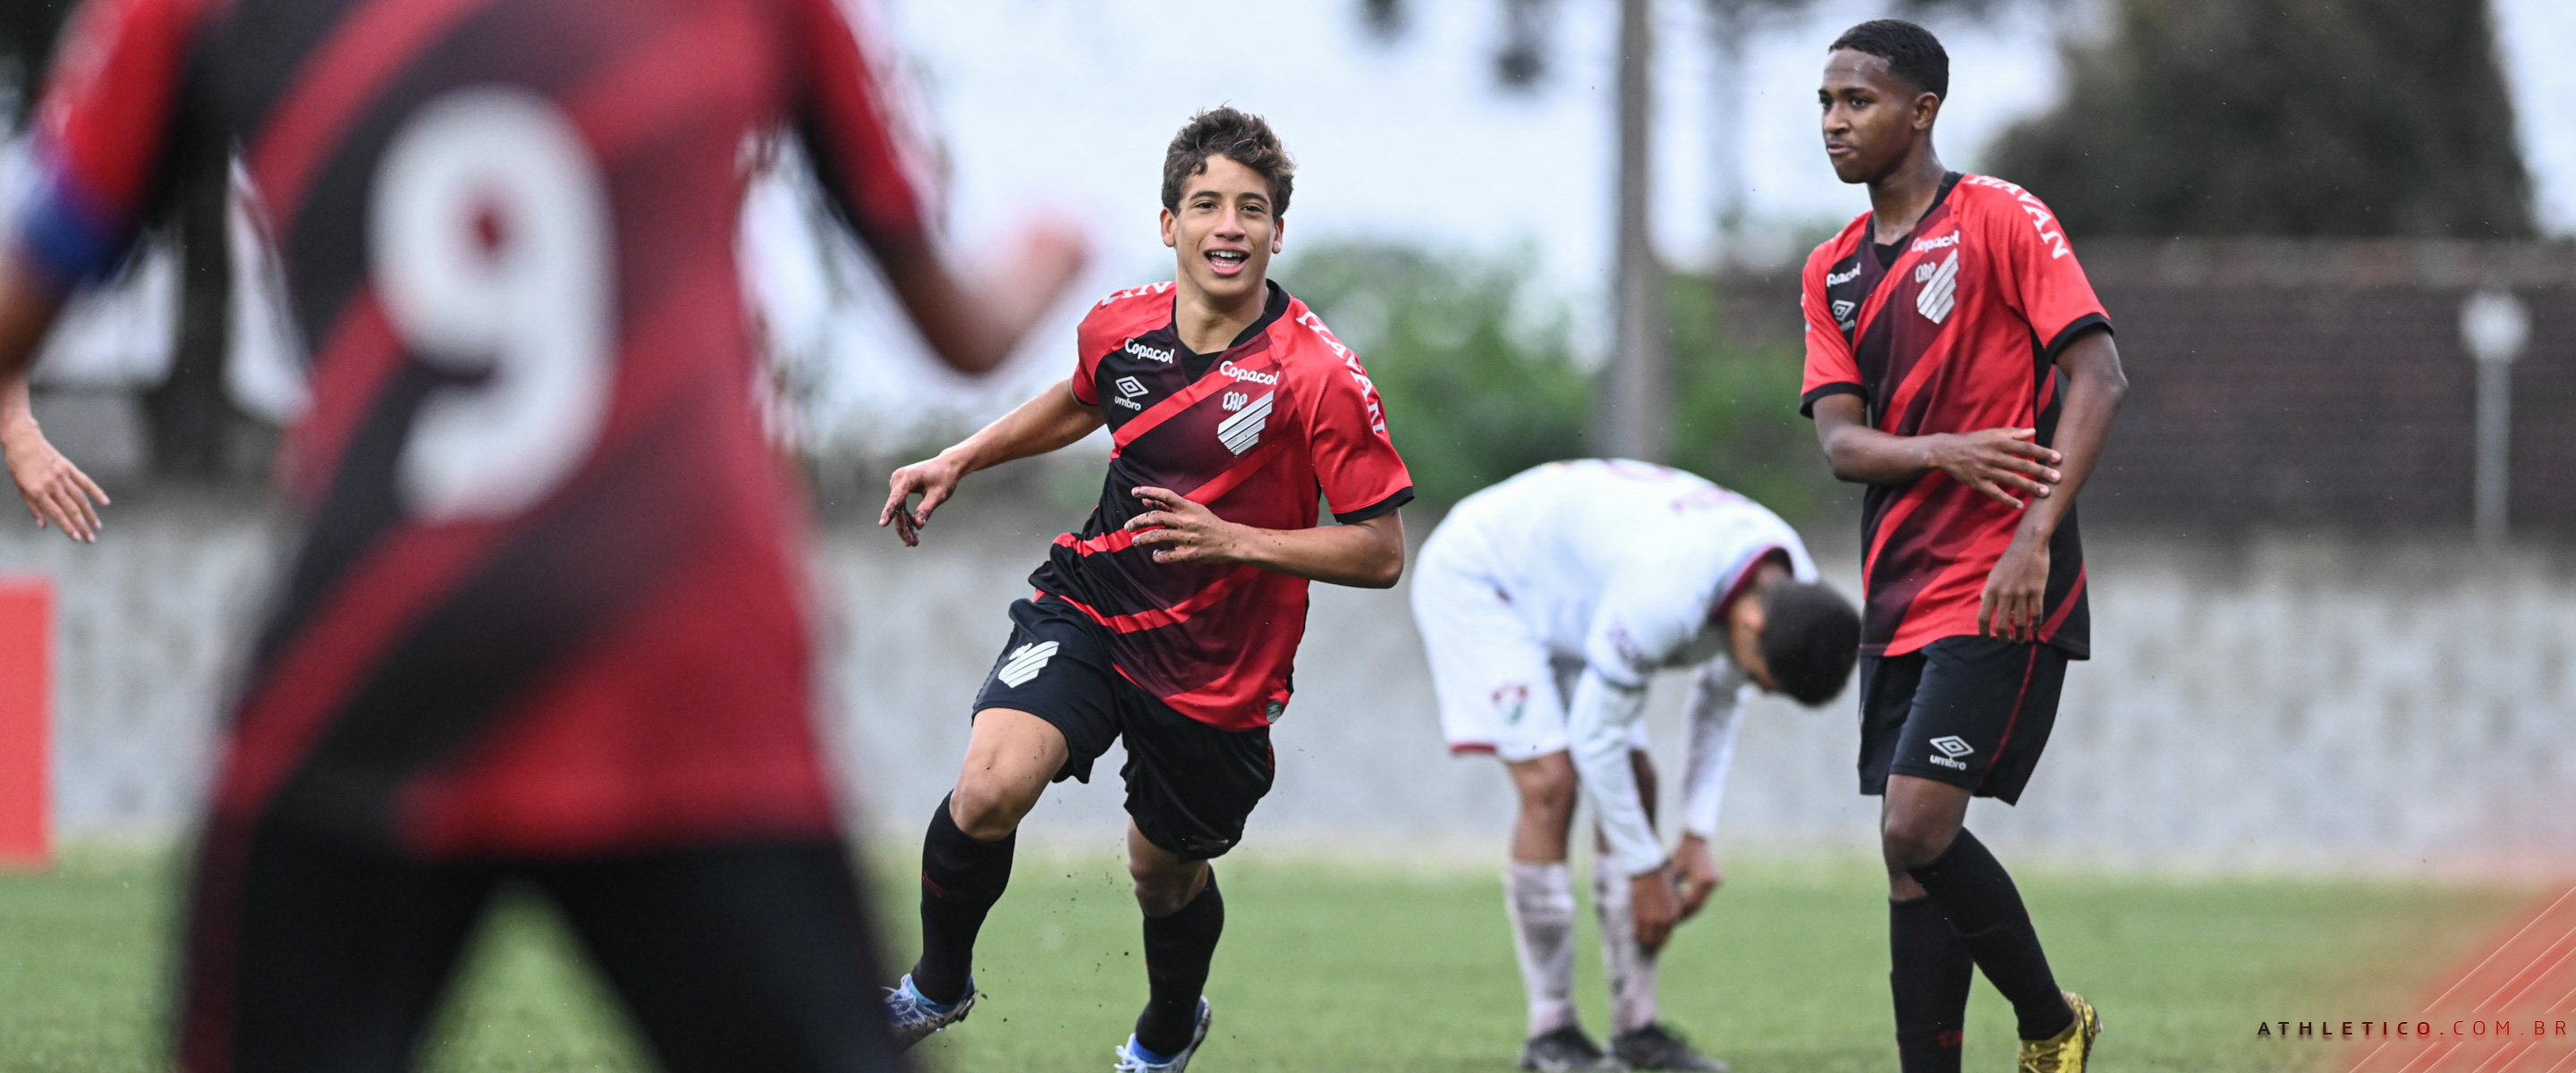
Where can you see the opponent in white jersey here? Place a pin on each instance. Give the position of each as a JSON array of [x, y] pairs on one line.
[[1546, 604]]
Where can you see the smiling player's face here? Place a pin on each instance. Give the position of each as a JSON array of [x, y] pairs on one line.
[[1870, 116], [1224, 232]]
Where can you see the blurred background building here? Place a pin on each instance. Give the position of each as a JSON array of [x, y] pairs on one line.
[[1556, 227]]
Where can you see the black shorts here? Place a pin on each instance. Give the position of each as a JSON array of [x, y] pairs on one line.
[[306, 952], [1190, 786], [1973, 712]]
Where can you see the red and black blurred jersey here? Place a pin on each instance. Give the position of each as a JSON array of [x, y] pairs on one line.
[[1255, 433], [548, 598], [1954, 328]]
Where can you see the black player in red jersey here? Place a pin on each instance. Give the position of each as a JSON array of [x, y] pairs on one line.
[[545, 621], [1172, 617], [1959, 364]]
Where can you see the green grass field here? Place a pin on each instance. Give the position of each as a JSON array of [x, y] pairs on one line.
[[1339, 965]]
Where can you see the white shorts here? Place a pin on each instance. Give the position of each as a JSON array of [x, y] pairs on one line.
[[1501, 691]]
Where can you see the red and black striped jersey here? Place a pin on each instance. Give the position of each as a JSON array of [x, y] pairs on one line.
[[547, 599], [1954, 328], [1257, 433]]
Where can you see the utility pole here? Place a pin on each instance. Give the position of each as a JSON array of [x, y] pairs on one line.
[[2495, 326], [1631, 413]]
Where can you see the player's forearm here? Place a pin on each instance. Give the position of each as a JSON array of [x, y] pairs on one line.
[[940, 304], [1598, 721], [17, 407], [1864, 455], [1051, 421], [27, 308], [1364, 555], [2093, 385], [1712, 752]]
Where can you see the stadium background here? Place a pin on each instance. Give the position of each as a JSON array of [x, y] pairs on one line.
[[2308, 660]]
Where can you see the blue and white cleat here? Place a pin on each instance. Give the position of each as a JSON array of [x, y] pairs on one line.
[[911, 1016], [1131, 1058]]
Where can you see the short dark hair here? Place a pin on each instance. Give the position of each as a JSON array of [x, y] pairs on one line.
[[1810, 639], [1236, 135], [1911, 52]]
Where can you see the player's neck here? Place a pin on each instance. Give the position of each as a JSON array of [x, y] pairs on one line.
[[1900, 198], [1208, 324]]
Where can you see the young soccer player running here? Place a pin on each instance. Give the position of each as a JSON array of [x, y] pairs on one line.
[[1170, 620], [545, 622], [1960, 366], [1546, 602]]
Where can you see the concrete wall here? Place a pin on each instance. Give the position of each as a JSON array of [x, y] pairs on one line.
[[2277, 702]]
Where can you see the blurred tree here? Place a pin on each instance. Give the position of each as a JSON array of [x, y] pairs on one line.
[[2286, 117], [1478, 375]]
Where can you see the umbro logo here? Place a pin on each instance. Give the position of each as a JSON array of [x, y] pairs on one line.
[[1951, 747], [1130, 386], [1242, 430], [1025, 662], [1843, 310], [1149, 353]]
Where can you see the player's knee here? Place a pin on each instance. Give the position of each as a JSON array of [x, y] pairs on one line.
[[1913, 841], [1548, 786], [987, 805], [1162, 890]]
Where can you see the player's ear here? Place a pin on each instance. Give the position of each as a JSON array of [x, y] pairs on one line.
[[1171, 233], [1927, 108], [1278, 231]]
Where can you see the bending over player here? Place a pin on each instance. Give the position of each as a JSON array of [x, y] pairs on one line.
[[1546, 603], [1171, 619], [1959, 365]]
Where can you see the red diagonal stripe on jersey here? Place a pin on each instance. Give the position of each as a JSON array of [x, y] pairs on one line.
[[1215, 488], [2059, 619], [337, 84], [349, 372], [636, 99], [1878, 296], [1165, 616], [335, 651], [1208, 383], [1114, 540]]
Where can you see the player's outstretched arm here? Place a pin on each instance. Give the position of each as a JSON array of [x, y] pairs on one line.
[[2017, 589], [1050, 421], [973, 324], [1713, 720], [2000, 462], [1365, 555], [56, 492]]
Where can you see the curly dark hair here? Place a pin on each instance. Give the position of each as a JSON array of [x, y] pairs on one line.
[[1911, 52], [1238, 136], [1810, 638]]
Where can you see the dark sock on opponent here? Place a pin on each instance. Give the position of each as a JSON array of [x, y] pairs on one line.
[[1929, 974], [961, 877], [1982, 903], [1177, 951]]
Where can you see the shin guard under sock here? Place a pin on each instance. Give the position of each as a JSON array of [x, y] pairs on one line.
[[1539, 899], [1929, 974], [1178, 949], [961, 877], [1985, 907]]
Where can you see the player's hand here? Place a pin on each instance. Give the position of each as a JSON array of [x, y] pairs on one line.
[[935, 480], [2004, 463], [2016, 590], [1180, 531], [1699, 874], [55, 491], [1654, 903]]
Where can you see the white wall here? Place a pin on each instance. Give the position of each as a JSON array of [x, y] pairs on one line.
[[2283, 703]]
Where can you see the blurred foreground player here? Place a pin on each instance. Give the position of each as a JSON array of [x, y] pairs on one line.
[[1958, 364], [1546, 604], [545, 622], [54, 489], [1171, 619]]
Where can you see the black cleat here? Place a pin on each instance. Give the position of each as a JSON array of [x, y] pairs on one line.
[[1657, 1047], [1565, 1049]]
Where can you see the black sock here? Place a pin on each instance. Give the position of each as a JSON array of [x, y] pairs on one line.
[[1177, 951], [961, 877], [1983, 905], [1929, 974]]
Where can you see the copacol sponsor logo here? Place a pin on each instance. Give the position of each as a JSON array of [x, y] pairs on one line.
[[1150, 353], [1240, 373], [1025, 663], [1951, 749]]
